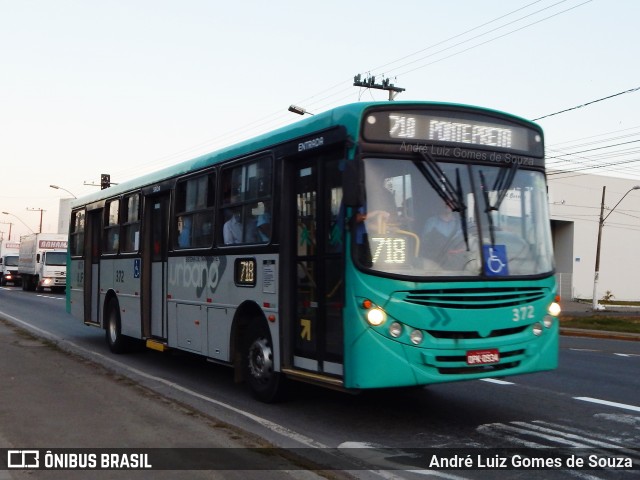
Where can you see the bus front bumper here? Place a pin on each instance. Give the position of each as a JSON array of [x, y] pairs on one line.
[[376, 361]]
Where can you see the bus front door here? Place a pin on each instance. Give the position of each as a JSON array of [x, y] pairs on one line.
[[319, 265], [154, 266]]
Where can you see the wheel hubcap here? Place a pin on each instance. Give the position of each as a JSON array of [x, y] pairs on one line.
[[113, 334], [260, 359]]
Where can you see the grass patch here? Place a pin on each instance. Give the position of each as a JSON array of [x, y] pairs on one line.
[[627, 324]]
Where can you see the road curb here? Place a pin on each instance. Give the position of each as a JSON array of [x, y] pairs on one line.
[[580, 332]]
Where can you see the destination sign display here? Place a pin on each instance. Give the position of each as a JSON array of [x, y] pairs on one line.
[[452, 128]]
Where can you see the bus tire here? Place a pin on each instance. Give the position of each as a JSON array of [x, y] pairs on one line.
[[264, 383], [113, 333]]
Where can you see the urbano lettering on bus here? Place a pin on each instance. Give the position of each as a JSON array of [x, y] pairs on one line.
[[310, 144], [197, 272]]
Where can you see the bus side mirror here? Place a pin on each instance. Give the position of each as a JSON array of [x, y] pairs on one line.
[[353, 191], [38, 258]]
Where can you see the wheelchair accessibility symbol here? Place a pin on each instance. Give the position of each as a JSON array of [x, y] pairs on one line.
[[495, 263], [136, 268]]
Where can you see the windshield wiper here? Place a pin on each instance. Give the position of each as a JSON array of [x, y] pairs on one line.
[[503, 182], [452, 196]]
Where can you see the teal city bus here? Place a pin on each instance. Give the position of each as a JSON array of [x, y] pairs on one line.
[[374, 245]]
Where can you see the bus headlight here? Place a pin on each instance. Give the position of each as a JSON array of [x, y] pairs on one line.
[[376, 317], [547, 321], [537, 329], [554, 309], [395, 329], [416, 337]]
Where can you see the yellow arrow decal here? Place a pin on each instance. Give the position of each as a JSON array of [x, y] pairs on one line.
[[306, 329]]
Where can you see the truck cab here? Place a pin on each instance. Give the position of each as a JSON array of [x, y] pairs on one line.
[[54, 270], [9, 270]]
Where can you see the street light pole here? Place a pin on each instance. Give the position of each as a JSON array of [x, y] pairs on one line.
[[7, 213], [61, 188], [595, 304]]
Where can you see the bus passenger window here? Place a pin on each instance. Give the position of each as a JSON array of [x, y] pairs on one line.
[[131, 227], [77, 233], [246, 205], [194, 212], [113, 240], [112, 228]]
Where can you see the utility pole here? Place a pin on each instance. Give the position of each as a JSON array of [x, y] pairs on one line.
[[603, 218], [41, 212], [596, 276], [370, 82], [10, 225]]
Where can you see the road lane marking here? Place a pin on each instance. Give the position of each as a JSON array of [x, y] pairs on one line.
[[49, 296], [496, 381], [567, 436], [627, 354], [608, 403], [539, 434]]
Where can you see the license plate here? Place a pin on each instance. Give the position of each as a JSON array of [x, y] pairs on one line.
[[483, 357]]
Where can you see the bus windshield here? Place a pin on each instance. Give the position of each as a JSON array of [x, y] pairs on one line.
[[424, 218]]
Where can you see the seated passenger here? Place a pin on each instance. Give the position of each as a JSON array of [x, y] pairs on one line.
[[264, 227], [184, 235], [232, 229]]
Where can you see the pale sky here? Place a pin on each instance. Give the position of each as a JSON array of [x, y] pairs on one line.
[[129, 86]]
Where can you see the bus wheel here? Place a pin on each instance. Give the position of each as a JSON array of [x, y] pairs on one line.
[[113, 333], [265, 384]]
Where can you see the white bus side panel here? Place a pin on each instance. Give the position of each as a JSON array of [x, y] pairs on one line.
[[122, 275], [219, 321], [204, 299]]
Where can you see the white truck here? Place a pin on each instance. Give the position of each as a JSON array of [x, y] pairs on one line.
[[43, 261], [9, 262]]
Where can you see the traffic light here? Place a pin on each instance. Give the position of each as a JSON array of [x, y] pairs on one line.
[[105, 181]]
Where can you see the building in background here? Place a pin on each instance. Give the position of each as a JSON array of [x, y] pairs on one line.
[[64, 215], [574, 202]]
